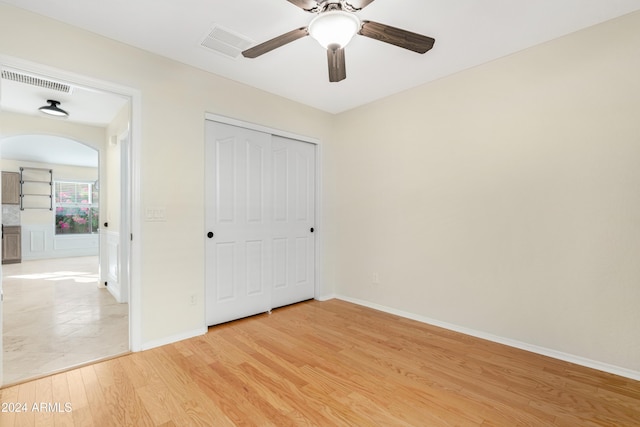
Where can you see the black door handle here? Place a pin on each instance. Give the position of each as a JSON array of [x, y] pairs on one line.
[[210, 234], [106, 224], [311, 230]]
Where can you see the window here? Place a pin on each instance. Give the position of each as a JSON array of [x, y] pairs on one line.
[[76, 207]]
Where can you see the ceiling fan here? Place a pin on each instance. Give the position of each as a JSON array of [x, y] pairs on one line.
[[334, 26]]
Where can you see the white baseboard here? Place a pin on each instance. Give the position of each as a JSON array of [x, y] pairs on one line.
[[578, 360], [326, 297], [174, 338], [197, 332], [114, 290]]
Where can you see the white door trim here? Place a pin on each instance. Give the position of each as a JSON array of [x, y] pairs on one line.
[[320, 291], [135, 303], [124, 259], [260, 128]]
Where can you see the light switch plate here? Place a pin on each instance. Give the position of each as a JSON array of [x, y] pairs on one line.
[[155, 214]]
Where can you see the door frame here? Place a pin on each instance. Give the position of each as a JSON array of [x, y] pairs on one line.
[[320, 293], [124, 258], [133, 226]]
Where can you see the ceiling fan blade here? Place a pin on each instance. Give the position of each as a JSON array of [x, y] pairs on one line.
[[396, 36], [275, 43], [337, 70], [356, 5], [306, 5]]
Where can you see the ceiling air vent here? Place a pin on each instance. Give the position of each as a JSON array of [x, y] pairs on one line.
[[35, 81], [226, 42]]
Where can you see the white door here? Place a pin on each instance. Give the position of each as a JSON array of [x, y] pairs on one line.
[[293, 221], [238, 262], [260, 213]]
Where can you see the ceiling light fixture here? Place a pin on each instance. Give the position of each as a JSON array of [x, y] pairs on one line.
[[334, 27], [53, 109]]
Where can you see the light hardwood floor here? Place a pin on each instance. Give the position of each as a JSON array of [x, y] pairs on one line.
[[55, 317], [330, 364]]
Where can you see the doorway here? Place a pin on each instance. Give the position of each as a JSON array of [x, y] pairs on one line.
[[83, 277]]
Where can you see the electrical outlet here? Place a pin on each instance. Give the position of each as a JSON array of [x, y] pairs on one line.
[[375, 279], [193, 299]]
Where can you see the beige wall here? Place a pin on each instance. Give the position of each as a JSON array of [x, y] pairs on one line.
[[503, 199], [174, 100], [506, 198], [111, 178], [12, 124]]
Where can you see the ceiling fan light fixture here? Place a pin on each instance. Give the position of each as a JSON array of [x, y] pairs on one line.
[[52, 109], [334, 28]]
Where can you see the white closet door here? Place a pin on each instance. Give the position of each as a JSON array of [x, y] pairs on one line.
[[238, 220], [293, 208], [260, 219]]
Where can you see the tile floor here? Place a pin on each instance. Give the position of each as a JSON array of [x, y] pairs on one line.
[[55, 317]]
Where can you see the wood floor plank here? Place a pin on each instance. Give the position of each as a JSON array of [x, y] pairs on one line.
[[95, 397], [137, 371], [229, 401], [332, 363], [60, 394], [187, 403], [331, 408], [44, 404], [77, 392], [288, 392], [8, 396], [26, 397], [154, 399], [83, 417], [121, 397], [248, 397]]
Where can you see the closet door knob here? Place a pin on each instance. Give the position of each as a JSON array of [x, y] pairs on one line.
[[210, 234]]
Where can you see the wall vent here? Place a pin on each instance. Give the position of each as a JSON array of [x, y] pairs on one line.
[[35, 81], [226, 42]]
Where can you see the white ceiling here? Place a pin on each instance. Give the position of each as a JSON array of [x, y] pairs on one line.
[[48, 149], [85, 106], [467, 33]]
